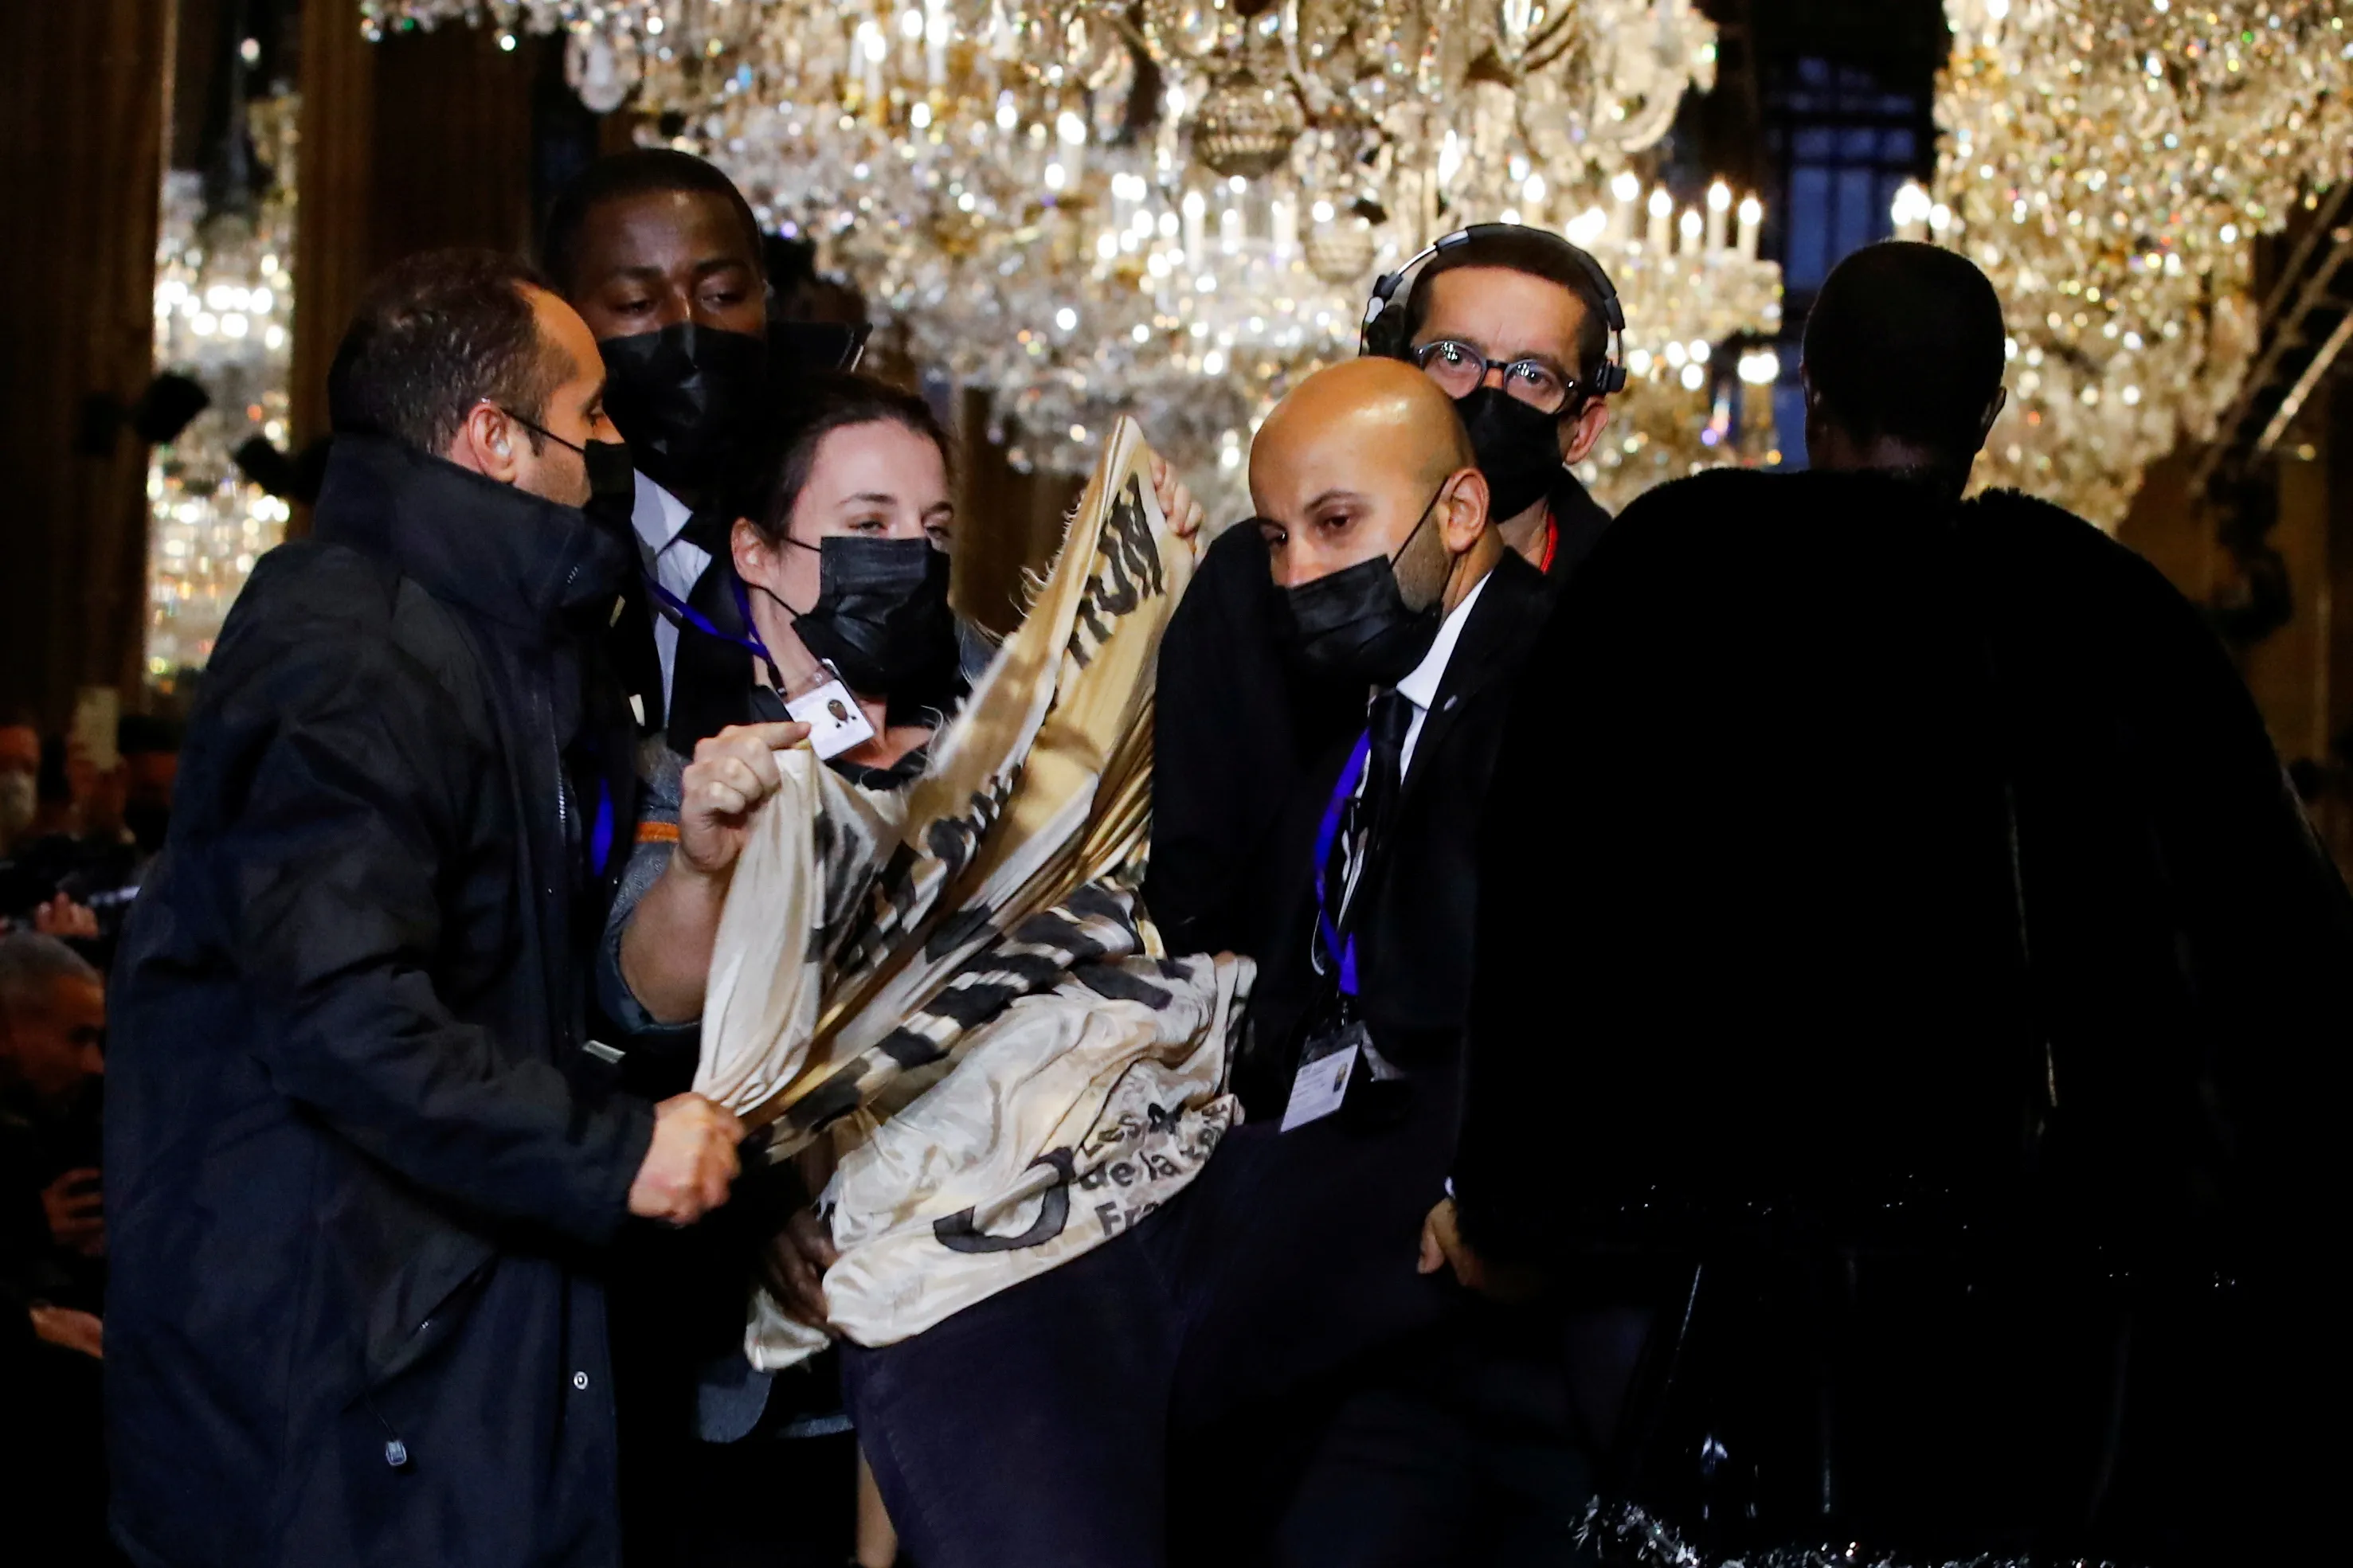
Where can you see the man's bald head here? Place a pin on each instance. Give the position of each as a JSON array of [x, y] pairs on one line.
[[1382, 411], [1352, 460]]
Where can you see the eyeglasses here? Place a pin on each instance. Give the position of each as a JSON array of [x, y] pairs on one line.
[[1458, 368]]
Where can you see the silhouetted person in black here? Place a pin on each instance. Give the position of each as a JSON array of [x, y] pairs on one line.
[[1902, 975]]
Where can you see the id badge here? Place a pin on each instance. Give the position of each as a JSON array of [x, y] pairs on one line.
[[835, 722], [1326, 1065]]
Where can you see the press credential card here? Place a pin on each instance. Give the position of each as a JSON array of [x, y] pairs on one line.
[[835, 722], [1322, 1080]]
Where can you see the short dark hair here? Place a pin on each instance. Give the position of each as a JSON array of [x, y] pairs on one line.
[[798, 425], [1539, 254], [634, 173], [1907, 341], [435, 334]]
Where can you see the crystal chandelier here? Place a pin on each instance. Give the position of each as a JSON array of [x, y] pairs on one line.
[[2109, 164], [1175, 207], [224, 305]]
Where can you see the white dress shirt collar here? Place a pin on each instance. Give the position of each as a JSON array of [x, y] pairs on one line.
[[1420, 688], [657, 516], [659, 520]]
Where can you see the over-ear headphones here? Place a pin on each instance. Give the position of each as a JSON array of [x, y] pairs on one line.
[[1384, 334]]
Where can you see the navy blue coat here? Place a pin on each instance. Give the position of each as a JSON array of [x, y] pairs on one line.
[[358, 1169]]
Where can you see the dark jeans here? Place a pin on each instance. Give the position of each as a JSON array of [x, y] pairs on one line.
[[1034, 1427]]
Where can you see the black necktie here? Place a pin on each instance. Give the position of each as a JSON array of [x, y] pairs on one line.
[[1367, 813], [1392, 719]]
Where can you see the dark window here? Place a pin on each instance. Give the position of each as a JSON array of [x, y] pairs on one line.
[[1839, 143]]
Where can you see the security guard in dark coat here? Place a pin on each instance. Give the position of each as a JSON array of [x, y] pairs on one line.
[[358, 1161]]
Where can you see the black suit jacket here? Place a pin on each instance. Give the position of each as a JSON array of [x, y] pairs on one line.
[[1247, 757]]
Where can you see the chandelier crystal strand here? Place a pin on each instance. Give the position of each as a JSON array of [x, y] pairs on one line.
[[2109, 164], [1175, 208], [224, 315]]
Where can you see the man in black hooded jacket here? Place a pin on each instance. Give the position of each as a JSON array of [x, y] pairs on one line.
[[358, 1162], [1905, 987]]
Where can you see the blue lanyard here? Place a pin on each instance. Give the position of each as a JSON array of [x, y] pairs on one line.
[[1351, 774], [701, 622]]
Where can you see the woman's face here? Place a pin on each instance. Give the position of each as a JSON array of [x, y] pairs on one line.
[[880, 480]]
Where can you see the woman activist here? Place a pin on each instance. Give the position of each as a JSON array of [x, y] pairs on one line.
[[827, 630]]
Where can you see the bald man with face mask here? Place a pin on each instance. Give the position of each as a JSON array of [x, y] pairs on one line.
[[1398, 608], [1038, 1426]]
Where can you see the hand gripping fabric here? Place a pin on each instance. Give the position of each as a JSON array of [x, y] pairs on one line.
[[957, 986]]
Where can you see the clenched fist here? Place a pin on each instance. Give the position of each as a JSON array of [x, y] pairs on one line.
[[689, 1164], [733, 771]]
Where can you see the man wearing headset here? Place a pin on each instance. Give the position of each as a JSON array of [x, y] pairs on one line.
[[1515, 325]]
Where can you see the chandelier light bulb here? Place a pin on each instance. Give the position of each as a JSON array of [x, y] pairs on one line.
[[966, 164]]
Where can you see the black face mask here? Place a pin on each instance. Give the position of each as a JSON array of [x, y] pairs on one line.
[[1518, 449], [612, 476], [612, 486], [685, 397], [1353, 625], [881, 615], [611, 550]]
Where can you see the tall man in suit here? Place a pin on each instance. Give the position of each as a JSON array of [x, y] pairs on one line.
[[1396, 599], [1035, 1427], [1394, 592]]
